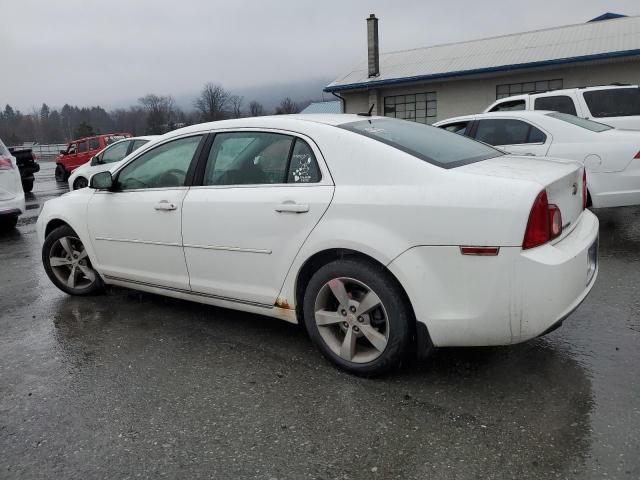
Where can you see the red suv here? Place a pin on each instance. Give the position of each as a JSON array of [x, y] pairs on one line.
[[81, 151]]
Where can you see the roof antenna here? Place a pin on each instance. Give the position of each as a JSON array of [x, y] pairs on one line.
[[368, 114]]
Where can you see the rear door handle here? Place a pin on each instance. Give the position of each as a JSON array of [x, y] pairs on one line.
[[292, 207], [164, 205]]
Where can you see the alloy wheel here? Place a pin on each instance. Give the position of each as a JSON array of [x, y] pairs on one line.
[[70, 263]]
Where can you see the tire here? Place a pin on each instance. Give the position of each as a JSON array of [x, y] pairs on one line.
[[8, 223], [390, 319], [80, 182], [61, 174], [72, 272], [27, 185]]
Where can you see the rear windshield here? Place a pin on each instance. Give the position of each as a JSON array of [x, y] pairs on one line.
[[615, 102], [433, 145], [580, 122]]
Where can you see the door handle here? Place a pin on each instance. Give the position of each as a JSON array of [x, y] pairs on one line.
[[164, 205], [293, 207]]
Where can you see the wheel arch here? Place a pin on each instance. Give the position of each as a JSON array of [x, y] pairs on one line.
[[55, 223]]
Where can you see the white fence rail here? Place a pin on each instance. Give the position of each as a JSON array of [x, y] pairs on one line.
[[50, 150]]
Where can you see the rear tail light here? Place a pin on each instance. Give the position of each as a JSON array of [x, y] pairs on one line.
[[584, 189], [33, 156], [637, 157], [5, 163], [545, 222]]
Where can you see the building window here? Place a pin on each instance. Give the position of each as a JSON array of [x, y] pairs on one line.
[[419, 107], [509, 89]]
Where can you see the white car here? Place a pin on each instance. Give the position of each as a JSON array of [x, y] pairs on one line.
[[106, 159], [615, 105], [611, 157], [11, 193], [376, 233]]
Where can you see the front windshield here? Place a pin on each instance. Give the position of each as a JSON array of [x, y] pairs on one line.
[[433, 145], [580, 122]]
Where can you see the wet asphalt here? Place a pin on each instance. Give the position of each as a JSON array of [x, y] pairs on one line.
[[133, 385]]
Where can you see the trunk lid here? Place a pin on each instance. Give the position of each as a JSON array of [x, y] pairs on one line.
[[562, 179], [9, 177]]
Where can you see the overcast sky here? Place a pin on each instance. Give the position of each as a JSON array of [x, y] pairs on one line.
[[88, 52]]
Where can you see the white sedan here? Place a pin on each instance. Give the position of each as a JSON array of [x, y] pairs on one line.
[[611, 157], [381, 235], [11, 193], [106, 159]]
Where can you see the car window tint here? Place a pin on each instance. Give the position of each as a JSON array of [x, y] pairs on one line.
[[73, 148], [460, 127], [138, 143], [508, 132], [580, 122], [115, 152], [82, 147], [509, 106], [162, 167], [430, 144], [614, 102], [94, 143], [248, 158], [303, 167], [556, 103]]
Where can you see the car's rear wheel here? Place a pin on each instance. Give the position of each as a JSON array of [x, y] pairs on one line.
[[61, 174], [27, 185], [358, 316], [68, 265], [80, 182], [8, 222]]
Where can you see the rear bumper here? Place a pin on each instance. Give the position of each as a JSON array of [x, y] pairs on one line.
[[616, 189], [15, 206], [509, 298]]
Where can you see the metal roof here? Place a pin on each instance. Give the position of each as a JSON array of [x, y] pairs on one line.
[[334, 106], [614, 38]]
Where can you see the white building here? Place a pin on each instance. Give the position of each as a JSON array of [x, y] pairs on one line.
[[433, 83]]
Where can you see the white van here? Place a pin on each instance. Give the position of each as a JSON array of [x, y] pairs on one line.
[[615, 105]]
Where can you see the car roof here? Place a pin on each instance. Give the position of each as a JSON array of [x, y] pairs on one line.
[[285, 122], [560, 91], [506, 113]]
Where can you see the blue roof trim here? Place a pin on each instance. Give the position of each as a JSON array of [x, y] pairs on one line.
[[607, 16], [502, 68]]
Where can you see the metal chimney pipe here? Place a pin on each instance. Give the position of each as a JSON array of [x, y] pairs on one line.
[[373, 46]]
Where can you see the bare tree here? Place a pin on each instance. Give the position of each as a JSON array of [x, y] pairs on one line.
[[255, 108], [160, 112], [211, 102], [287, 106], [236, 105]]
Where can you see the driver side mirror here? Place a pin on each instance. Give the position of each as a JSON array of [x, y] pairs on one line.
[[101, 181]]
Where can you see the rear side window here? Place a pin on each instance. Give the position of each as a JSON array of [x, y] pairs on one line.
[[615, 102], [94, 143], [82, 147], [115, 153], [509, 106], [556, 103], [137, 144], [303, 166], [508, 132], [433, 145]]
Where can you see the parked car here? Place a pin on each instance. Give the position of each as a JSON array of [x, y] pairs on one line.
[[611, 157], [105, 160], [80, 151], [615, 105], [381, 235], [27, 165], [11, 194]]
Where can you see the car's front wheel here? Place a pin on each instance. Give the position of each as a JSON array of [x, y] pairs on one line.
[[68, 265], [358, 316], [80, 182], [61, 174]]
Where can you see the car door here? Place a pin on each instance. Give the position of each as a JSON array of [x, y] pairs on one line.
[[261, 193], [513, 135], [83, 154], [136, 228]]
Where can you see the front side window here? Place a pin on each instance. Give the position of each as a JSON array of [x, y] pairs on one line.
[[614, 102], [94, 143], [258, 158], [556, 103], [115, 152], [82, 147], [165, 166], [508, 132], [580, 122], [73, 149], [508, 106], [137, 144], [459, 127], [419, 107], [432, 145]]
